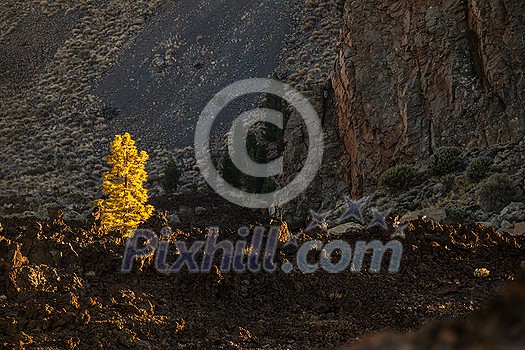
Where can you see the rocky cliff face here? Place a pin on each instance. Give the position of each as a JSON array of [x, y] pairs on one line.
[[332, 181], [415, 75]]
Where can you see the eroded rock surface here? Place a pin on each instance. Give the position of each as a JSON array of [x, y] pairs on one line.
[[413, 76]]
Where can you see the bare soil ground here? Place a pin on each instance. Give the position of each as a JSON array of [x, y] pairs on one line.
[[501, 325]]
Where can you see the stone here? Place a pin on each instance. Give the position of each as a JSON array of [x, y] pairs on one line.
[[409, 217], [486, 223], [173, 219], [143, 344], [435, 214], [481, 272], [506, 225], [344, 229], [519, 229], [11, 254], [200, 211]]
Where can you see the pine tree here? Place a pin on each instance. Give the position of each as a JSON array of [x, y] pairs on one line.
[[259, 154], [125, 207], [170, 182]]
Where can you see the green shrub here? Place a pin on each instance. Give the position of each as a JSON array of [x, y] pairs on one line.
[[478, 169], [399, 177], [445, 160], [341, 6], [448, 181], [40, 170], [463, 214], [170, 181], [232, 175], [258, 152], [495, 193], [272, 133]]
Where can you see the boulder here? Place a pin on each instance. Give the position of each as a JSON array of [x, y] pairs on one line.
[[519, 229], [350, 228]]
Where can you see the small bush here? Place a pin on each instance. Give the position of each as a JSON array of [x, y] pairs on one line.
[[170, 182], [478, 169], [40, 170], [448, 181], [463, 214], [445, 160], [258, 153], [272, 133], [399, 177], [341, 6], [495, 193]]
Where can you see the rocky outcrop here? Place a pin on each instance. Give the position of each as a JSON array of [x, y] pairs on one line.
[[332, 181], [415, 75]]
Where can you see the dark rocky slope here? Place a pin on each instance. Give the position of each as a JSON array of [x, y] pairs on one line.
[[61, 287], [500, 325]]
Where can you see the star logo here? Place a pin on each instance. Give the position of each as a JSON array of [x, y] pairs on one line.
[[379, 219], [293, 240], [318, 220], [353, 209], [166, 231], [399, 230]]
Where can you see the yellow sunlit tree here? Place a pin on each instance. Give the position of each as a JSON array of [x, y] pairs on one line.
[[125, 206]]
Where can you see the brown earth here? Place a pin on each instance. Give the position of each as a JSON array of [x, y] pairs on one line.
[[501, 325], [63, 288]]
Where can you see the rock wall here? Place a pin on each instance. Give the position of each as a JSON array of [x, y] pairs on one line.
[[332, 180], [415, 75]]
